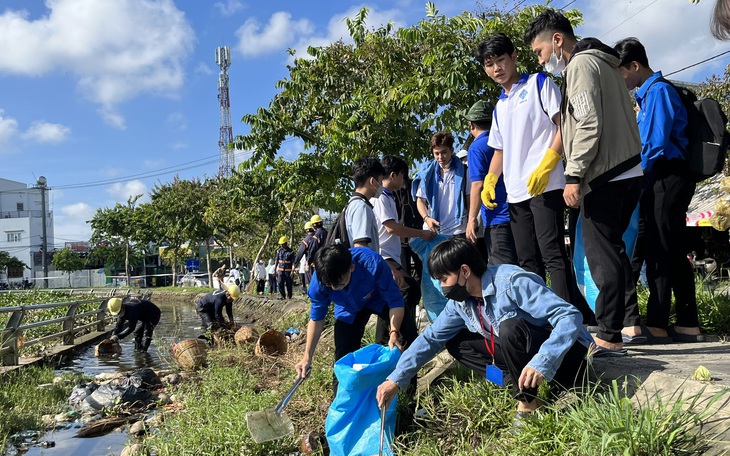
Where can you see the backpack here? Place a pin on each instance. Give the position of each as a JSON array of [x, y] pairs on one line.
[[337, 233], [707, 135]]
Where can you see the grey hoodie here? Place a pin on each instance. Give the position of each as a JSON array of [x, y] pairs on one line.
[[600, 135]]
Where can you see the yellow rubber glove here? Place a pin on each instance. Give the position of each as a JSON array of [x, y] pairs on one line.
[[538, 181], [488, 193]]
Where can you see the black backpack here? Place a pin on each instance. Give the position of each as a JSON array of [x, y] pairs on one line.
[[337, 233], [707, 135]]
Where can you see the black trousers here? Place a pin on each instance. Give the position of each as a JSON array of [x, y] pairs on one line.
[[538, 227], [500, 245], [664, 202], [144, 329], [285, 284], [272, 283], [518, 342], [605, 215], [411, 292], [348, 336], [260, 286]]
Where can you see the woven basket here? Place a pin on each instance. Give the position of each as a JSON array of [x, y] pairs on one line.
[[107, 347], [246, 335], [271, 343], [190, 353]]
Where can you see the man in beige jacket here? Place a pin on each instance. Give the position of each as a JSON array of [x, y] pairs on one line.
[[603, 171]]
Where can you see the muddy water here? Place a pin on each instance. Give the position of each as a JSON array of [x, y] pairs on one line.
[[179, 321]]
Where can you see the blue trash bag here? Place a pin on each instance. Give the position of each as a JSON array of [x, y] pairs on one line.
[[352, 426], [583, 277], [434, 300]]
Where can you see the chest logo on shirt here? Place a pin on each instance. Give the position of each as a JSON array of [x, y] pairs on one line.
[[522, 96], [367, 296]]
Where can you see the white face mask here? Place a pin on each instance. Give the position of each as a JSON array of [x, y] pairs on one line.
[[555, 65], [378, 191]]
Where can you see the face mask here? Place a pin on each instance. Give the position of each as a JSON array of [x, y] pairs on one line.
[[456, 292], [555, 65], [378, 191]]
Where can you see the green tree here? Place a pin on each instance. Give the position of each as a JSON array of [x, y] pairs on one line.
[[10, 263], [174, 217], [115, 230], [68, 261], [385, 94]]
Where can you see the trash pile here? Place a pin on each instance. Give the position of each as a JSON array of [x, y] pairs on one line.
[[104, 404]]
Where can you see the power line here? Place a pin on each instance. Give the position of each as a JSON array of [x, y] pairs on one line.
[[698, 63], [567, 5], [628, 18]]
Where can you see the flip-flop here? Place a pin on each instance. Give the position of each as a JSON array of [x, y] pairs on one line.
[[655, 340], [639, 339], [602, 352], [684, 338]]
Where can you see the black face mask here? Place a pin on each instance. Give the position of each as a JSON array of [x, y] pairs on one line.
[[456, 292]]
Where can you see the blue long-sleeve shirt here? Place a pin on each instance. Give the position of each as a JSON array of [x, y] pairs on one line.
[[662, 117], [371, 285], [508, 292]]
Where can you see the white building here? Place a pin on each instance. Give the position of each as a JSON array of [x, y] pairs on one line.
[[21, 226]]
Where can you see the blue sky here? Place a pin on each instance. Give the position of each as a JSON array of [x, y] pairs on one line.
[[106, 98]]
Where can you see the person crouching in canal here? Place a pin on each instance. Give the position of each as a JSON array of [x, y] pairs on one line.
[[500, 321], [210, 307], [140, 316], [360, 284]]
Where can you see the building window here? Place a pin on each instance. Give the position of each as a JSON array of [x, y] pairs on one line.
[[13, 237], [19, 207]]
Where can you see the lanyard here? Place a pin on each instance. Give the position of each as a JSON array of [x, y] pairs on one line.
[[491, 330]]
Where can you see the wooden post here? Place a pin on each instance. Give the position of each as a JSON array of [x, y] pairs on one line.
[[101, 316], [10, 338], [68, 323]]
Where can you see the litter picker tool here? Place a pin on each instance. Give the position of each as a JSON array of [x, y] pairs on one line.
[[382, 429], [273, 423]]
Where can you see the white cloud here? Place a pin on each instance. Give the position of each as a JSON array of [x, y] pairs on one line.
[[46, 133], [229, 8], [279, 33], [70, 222], [117, 50], [8, 127], [177, 121], [202, 68], [282, 32], [179, 145], [121, 191], [153, 163], [675, 33]]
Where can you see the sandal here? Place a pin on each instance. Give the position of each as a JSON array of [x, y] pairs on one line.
[[655, 340], [684, 338]]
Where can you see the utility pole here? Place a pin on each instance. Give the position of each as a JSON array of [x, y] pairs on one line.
[[41, 184]]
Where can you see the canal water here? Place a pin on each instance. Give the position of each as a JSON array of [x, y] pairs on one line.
[[178, 321]]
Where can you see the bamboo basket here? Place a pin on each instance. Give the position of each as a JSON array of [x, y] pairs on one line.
[[107, 347], [190, 353], [271, 343], [246, 335]]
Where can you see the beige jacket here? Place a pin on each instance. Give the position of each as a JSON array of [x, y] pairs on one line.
[[600, 135]]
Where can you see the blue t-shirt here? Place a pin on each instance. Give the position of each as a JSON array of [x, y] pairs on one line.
[[371, 285], [479, 157]]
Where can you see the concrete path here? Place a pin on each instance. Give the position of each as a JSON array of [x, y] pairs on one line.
[[665, 370]]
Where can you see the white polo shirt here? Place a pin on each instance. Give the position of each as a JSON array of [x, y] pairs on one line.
[[522, 128], [385, 209], [449, 226]]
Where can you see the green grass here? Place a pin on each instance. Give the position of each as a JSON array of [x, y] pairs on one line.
[[713, 306], [23, 402]]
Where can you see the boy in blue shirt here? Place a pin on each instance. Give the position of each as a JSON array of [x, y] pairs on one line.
[[526, 330], [667, 192], [359, 282]]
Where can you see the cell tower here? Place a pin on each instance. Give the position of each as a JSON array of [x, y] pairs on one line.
[[226, 161]]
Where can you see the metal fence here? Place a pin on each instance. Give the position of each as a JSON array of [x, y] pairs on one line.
[[11, 334]]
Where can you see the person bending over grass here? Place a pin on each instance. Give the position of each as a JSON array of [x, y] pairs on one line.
[[499, 321]]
